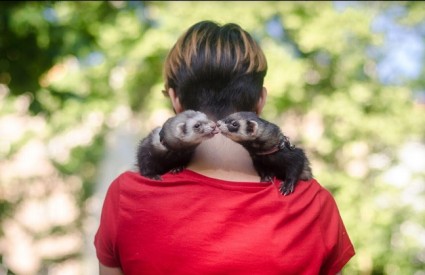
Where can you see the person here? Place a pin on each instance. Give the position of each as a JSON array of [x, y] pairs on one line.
[[216, 217]]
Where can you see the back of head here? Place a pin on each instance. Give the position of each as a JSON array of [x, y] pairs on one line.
[[216, 69]]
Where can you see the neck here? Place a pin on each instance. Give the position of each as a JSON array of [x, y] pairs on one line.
[[221, 158]]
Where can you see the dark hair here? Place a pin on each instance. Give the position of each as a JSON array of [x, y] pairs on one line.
[[216, 69]]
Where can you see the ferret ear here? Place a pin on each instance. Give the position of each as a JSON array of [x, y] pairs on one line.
[[181, 129], [252, 127]]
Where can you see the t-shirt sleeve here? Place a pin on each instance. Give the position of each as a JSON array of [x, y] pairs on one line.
[[105, 238], [338, 244]]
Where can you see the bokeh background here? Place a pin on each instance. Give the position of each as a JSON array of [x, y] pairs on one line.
[[80, 84]]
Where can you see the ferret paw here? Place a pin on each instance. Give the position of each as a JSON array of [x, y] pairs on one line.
[[286, 188], [176, 170], [155, 177]]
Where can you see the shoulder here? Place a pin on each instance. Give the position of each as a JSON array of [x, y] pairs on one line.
[[313, 190], [131, 187], [326, 201], [326, 198], [320, 192], [122, 182], [127, 179], [313, 198], [122, 179]]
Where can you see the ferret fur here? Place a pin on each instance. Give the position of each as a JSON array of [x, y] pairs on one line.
[[169, 148], [271, 151]]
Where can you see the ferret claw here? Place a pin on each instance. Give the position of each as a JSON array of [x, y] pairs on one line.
[[156, 177], [177, 170], [286, 188]]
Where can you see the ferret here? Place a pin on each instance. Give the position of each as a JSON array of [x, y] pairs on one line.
[[272, 153], [169, 148]]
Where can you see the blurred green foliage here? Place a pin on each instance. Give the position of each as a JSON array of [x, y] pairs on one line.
[[72, 64]]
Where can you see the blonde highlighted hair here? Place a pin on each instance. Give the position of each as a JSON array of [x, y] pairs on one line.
[[213, 67]]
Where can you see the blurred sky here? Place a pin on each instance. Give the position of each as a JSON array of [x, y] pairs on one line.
[[399, 58], [403, 49], [402, 53]]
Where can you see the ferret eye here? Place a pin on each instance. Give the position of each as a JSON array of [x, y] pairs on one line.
[[235, 123], [197, 125]]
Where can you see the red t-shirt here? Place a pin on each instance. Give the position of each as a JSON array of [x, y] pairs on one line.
[[192, 224]]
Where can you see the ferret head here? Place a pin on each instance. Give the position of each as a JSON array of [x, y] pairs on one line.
[[241, 126], [187, 129]]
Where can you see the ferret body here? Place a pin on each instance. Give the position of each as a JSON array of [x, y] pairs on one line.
[[271, 152], [169, 148]]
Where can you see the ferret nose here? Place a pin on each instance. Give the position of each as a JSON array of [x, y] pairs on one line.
[[215, 129]]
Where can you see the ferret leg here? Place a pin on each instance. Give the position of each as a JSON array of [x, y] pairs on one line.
[[265, 175], [266, 178], [291, 179]]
